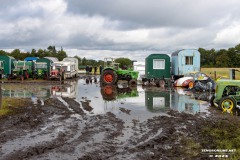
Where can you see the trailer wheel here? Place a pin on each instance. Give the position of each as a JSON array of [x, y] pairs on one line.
[[162, 82], [109, 77], [132, 82], [227, 104], [9, 76]]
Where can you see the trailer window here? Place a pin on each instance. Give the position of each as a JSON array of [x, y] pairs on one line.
[[189, 60], [158, 102], [159, 64]]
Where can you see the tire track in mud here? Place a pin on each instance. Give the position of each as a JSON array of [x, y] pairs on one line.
[[53, 132], [65, 133], [32, 121]]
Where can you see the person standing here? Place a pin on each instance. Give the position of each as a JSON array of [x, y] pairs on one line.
[[95, 69], [100, 69], [87, 69], [90, 69]]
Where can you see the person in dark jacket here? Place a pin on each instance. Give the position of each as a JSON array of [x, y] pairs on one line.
[[87, 69], [90, 69], [100, 69], [95, 69]]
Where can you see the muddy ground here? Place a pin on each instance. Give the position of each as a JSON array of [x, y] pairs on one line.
[[63, 128]]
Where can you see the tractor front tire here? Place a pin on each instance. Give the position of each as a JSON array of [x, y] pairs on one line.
[[227, 104], [109, 77]]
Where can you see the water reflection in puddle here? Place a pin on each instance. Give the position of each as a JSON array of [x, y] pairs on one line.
[[122, 100]]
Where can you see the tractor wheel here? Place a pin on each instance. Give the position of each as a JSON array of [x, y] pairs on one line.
[[190, 85], [162, 82], [46, 77], [109, 92], [133, 82], [227, 104], [22, 77], [27, 75], [109, 77]]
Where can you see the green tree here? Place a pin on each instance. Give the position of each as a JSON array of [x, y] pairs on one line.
[[2, 52], [16, 54], [84, 61], [124, 62], [223, 60], [79, 60], [61, 54]]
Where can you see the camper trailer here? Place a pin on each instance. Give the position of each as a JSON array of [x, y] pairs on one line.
[[62, 70], [72, 59], [157, 69], [185, 61]]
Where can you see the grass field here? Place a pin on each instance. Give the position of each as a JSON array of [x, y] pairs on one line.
[[220, 72]]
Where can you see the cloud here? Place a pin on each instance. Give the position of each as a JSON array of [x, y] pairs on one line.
[[229, 35], [130, 28], [156, 13]]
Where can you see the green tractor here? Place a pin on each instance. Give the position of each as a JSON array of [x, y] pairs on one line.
[[113, 92], [227, 95], [40, 70], [22, 70], [1, 69], [112, 73]]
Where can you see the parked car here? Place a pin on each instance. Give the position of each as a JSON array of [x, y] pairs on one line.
[[189, 79]]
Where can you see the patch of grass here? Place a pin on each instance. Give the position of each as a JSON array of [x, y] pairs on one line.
[[190, 147], [220, 72], [223, 135], [9, 105]]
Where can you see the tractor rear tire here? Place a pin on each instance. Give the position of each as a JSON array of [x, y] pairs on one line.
[[109, 92], [109, 77]]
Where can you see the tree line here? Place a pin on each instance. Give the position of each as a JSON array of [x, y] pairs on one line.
[[51, 51], [225, 58]]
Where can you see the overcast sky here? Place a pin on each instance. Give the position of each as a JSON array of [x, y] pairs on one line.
[[119, 28]]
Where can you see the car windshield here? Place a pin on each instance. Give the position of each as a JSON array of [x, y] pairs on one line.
[[197, 75], [190, 75]]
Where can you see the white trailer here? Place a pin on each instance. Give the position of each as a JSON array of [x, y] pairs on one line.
[[67, 69], [72, 59]]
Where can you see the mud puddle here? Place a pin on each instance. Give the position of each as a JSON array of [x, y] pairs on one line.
[[84, 120]]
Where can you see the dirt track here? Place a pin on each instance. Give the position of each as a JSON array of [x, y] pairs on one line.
[[66, 129]]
